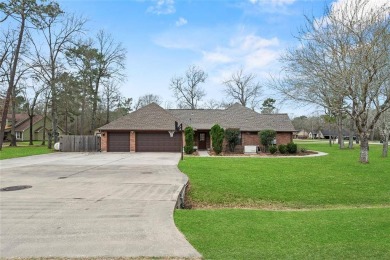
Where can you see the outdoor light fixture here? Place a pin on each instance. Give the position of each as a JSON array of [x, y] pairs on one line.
[[178, 127]]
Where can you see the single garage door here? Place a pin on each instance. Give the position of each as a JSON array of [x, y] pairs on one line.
[[118, 142], [157, 142]]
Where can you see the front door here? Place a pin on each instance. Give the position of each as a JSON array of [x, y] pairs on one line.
[[202, 141]]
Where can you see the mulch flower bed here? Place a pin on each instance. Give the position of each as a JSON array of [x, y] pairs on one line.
[[262, 154]]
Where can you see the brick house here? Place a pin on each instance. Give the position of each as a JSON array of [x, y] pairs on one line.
[[147, 129]]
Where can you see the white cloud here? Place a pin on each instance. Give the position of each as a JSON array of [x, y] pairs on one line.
[[273, 2], [216, 57], [249, 50], [162, 7], [221, 51], [182, 21]]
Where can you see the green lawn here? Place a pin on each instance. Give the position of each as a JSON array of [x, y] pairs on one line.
[[22, 150], [337, 179], [329, 207], [258, 234]]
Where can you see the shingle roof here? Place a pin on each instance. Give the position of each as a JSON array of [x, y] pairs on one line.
[[334, 132], [236, 116], [21, 126], [150, 117], [153, 117]]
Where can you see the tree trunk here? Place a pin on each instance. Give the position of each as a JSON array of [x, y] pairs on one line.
[[12, 79], [351, 133], [49, 143], [31, 117], [66, 120], [54, 118], [4, 116], [372, 134], [385, 146], [385, 138], [364, 147], [340, 131], [94, 105], [13, 132], [44, 121], [108, 110], [82, 116]]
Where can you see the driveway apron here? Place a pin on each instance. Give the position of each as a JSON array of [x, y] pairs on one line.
[[89, 205]]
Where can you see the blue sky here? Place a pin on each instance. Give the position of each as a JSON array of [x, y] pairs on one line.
[[164, 37]]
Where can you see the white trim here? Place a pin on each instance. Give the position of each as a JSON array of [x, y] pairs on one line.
[[19, 135]]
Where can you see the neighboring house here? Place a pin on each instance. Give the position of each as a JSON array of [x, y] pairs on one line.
[[147, 129], [22, 127], [328, 133], [316, 135], [302, 134]]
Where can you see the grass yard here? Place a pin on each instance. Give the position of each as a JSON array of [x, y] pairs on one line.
[[22, 150], [329, 207], [337, 179], [259, 234]]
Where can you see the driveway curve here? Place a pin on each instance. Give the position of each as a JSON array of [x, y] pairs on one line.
[[91, 205]]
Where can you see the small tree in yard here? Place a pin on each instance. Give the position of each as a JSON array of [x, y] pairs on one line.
[[189, 137], [232, 137], [266, 138], [217, 135]]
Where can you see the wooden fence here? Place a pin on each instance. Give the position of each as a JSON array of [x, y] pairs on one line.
[[79, 143]]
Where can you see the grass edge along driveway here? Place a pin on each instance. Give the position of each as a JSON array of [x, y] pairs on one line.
[[317, 210], [23, 150]]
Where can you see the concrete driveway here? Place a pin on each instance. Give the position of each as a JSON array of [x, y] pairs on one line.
[[86, 205]]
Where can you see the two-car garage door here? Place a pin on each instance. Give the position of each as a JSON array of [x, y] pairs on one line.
[[145, 142], [157, 142]]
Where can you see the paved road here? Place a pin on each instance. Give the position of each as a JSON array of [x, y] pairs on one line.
[[85, 205]]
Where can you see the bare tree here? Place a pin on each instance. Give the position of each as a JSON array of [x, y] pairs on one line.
[[384, 130], [59, 34], [342, 65], [213, 104], [24, 13], [31, 95], [19, 78], [46, 100], [187, 90], [7, 40], [243, 88], [111, 96], [110, 64], [147, 99]]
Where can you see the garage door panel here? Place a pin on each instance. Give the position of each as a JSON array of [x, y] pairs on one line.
[[119, 142], [158, 142]]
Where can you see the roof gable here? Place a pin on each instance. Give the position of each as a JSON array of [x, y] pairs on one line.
[[22, 126], [150, 117]]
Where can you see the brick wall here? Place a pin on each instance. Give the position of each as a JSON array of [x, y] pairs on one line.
[[103, 142], [283, 138], [250, 138], [132, 141]]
